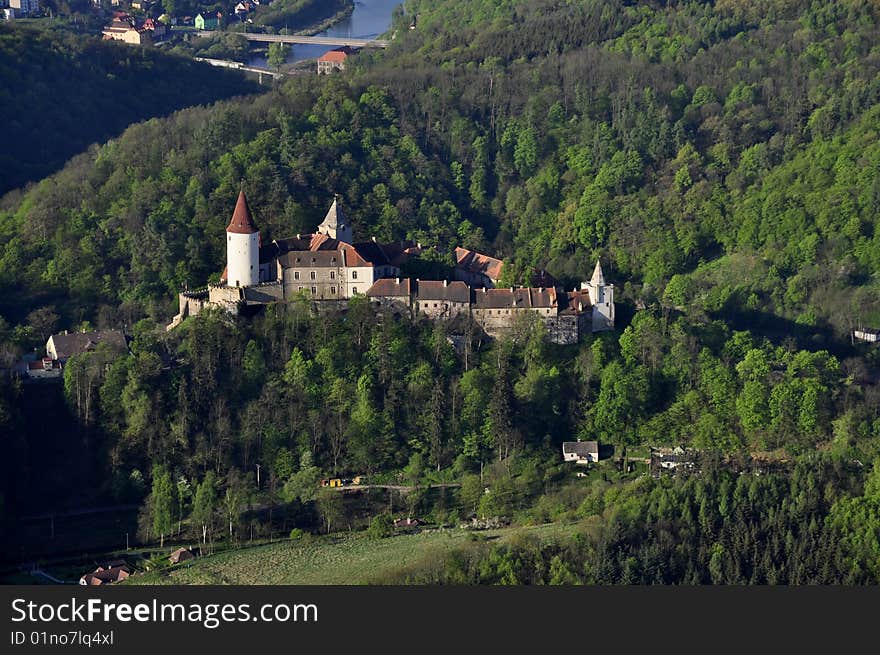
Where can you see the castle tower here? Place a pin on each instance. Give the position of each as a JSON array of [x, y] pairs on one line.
[[242, 247], [602, 298], [334, 225]]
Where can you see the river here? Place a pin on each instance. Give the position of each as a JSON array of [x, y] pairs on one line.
[[369, 19]]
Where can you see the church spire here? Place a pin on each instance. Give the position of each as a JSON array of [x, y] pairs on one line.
[[598, 278], [242, 222], [335, 225]]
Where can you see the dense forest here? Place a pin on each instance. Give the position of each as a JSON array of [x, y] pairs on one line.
[[722, 160], [62, 91]]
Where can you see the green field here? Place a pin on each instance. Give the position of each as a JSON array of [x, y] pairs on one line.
[[351, 558]]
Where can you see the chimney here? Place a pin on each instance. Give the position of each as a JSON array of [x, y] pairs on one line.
[[445, 283]]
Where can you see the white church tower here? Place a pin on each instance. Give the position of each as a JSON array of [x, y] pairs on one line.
[[242, 247], [334, 225], [602, 298]]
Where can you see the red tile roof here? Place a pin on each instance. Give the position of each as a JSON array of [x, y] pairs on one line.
[[241, 222], [577, 302], [475, 262], [339, 55]]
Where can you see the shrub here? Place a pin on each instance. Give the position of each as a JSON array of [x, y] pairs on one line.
[[380, 527]]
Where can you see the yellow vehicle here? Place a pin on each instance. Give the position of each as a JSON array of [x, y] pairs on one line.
[[331, 482]]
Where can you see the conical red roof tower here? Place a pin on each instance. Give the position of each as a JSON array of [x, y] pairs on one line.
[[241, 222]]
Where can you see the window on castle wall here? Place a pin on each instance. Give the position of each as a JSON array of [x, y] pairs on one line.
[[312, 275], [354, 289], [314, 290], [333, 290], [332, 275], [354, 275], [296, 275]]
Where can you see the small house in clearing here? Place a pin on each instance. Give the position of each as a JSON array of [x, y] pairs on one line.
[[866, 334], [580, 452], [106, 574], [65, 345], [181, 555]]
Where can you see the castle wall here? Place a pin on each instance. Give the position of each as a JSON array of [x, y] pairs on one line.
[[497, 322], [394, 304], [221, 294], [566, 328], [440, 308], [265, 293]]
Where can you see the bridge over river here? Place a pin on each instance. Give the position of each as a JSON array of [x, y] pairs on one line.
[[330, 41]]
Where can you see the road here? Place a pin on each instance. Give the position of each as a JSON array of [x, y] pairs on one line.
[[394, 487]]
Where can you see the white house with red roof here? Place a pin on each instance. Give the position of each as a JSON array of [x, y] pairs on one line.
[[334, 60]]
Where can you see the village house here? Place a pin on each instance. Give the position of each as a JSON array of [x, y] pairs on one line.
[[580, 452], [106, 574], [25, 7], [156, 29], [866, 334], [671, 460], [44, 368], [63, 346], [181, 555], [120, 30], [208, 21], [327, 269], [334, 60]]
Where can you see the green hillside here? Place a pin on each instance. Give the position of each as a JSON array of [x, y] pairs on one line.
[[60, 92]]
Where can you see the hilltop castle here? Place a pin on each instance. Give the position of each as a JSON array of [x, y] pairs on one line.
[[329, 268]]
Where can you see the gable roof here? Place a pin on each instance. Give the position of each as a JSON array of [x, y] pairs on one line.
[[67, 345], [391, 288], [337, 55], [518, 298], [400, 252], [373, 252], [478, 263], [576, 302], [580, 448], [443, 290], [541, 278], [340, 254], [241, 221]]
